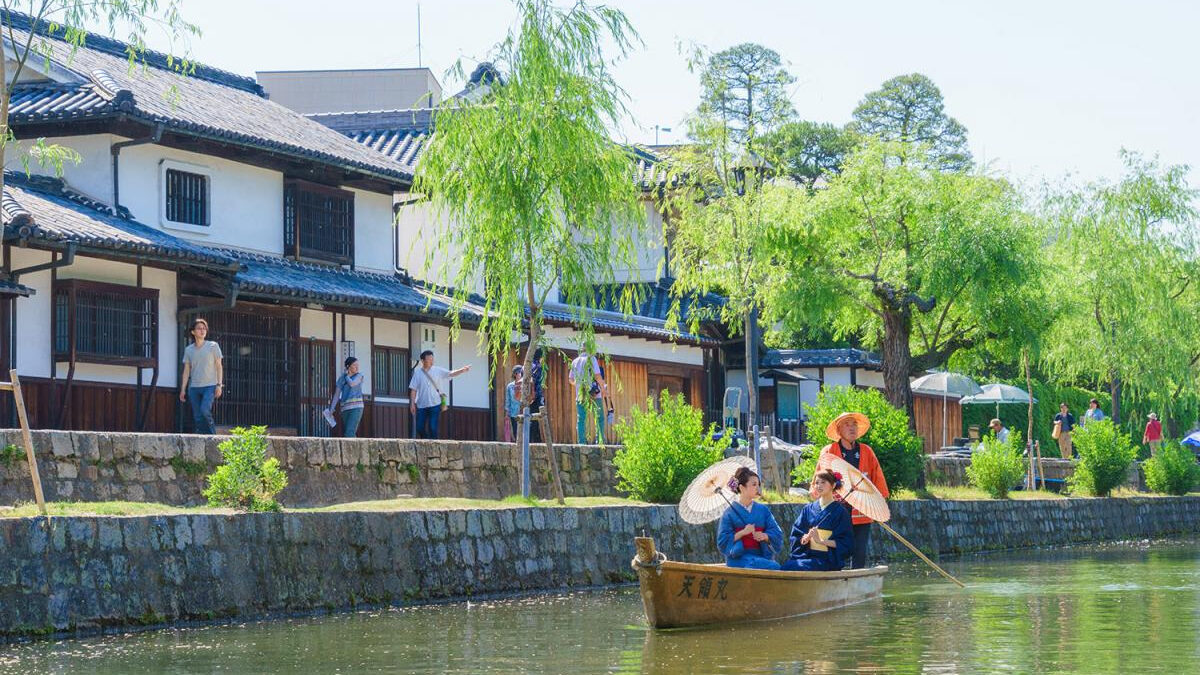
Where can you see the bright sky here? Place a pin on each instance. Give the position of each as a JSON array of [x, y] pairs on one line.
[[1044, 87]]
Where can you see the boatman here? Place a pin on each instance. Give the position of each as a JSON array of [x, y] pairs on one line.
[[844, 431]]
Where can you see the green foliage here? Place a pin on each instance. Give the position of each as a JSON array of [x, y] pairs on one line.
[[918, 262], [909, 109], [1105, 454], [664, 449], [1172, 471], [532, 193], [186, 467], [806, 151], [997, 467], [247, 480], [11, 454], [1125, 256], [745, 87], [899, 450]]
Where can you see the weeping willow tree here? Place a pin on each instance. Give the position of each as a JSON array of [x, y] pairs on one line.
[[532, 194]]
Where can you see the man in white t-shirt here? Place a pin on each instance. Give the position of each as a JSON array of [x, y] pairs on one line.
[[427, 394], [587, 377]]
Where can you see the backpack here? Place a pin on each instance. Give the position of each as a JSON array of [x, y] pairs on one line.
[[594, 390]]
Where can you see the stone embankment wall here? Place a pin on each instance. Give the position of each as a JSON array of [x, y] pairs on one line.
[[170, 468], [85, 574]]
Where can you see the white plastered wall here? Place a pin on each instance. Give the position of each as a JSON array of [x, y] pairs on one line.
[[92, 176], [620, 345], [357, 329], [471, 389], [392, 333], [869, 378], [417, 226], [246, 201], [34, 318], [373, 232], [648, 248]]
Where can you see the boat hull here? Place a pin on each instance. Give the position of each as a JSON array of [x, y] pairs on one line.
[[679, 594]]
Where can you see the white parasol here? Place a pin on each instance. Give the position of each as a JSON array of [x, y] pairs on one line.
[[708, 496], [858, 490]]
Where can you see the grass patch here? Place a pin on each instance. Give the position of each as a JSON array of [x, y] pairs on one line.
[[28, 509], [966, 493], [454, 503]]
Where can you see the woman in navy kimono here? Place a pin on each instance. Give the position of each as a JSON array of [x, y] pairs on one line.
[[748, 535], [812, 550]]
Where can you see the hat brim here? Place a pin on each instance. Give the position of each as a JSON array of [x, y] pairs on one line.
[[831, 431]]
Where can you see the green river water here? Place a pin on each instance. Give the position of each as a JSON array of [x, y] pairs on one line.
[[1120, 608]]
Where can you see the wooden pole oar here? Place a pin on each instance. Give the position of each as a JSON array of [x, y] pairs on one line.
[[920, 555]]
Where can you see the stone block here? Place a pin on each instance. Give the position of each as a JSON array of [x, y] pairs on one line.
[[61, 444], [166, 473], [314, 451], [86, 447], [66, 470], [191, 448]]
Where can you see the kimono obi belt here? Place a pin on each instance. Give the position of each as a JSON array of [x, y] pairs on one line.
[[750, 543]]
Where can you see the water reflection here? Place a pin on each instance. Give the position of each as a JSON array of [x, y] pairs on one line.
[[1119, 608]]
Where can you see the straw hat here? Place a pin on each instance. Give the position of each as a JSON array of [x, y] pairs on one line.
[[864, 424]]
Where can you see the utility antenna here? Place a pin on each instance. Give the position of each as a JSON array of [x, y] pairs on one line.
[[419, 64]]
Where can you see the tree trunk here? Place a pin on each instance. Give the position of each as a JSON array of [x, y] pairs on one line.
[[897, 360], [1114, 389], [751, 370], [544, 421], [1029, 427]]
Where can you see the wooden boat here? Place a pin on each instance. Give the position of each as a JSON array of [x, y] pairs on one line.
[[678, 594]]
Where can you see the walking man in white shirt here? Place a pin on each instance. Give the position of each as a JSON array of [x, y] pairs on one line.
[[426, 397]]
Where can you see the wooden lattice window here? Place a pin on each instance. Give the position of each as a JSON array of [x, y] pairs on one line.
[[318, 222], [389, 372], [105, 323], [260, 362], [187, 197]]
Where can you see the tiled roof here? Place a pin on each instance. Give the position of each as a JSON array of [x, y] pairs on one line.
[[285, 279], [656, 301], [614, 322], [816, 358], [404, 134], [13, 288], [209, 103], [44, 210], [399, 134]]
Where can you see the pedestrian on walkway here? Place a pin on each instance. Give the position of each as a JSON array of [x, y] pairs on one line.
[[1093, 414], [1153, 436], [537, 380], [203, 377], [347, 392], [426, 394], [1064, 423], [587, 378], [512, 402]]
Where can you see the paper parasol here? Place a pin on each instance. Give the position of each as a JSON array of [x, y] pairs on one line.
[[708, 496], [857, 489]]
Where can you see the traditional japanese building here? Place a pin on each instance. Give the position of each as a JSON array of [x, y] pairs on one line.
[[199, 196]]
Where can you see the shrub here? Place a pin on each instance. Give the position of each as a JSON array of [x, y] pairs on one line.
[[899, 450], [997, 467], [1172, 471], [664, 449], [247, 480], [1105, 453]]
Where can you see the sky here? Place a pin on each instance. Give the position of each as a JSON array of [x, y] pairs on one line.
[[1046, 89]]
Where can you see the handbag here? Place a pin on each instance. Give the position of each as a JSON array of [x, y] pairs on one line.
[[1057, 430], [445, 403]]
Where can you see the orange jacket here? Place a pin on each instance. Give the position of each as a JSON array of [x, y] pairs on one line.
[[868, 463]]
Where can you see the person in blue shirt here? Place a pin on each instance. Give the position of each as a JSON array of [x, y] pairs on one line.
[[512, 400], [822, 538], [748, 535]]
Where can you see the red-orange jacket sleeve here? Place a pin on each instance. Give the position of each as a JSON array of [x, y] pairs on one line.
[[875, 472]]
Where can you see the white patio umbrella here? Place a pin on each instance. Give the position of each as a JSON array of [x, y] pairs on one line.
[[946, 384], [998, 393]]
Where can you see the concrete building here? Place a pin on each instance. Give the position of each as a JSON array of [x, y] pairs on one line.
[[325, 91]]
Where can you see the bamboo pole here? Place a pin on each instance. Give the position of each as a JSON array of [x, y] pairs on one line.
[[19, 401], [920, 555]]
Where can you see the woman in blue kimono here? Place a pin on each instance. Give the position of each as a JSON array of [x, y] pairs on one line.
[[748, 535], [812, 549]]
